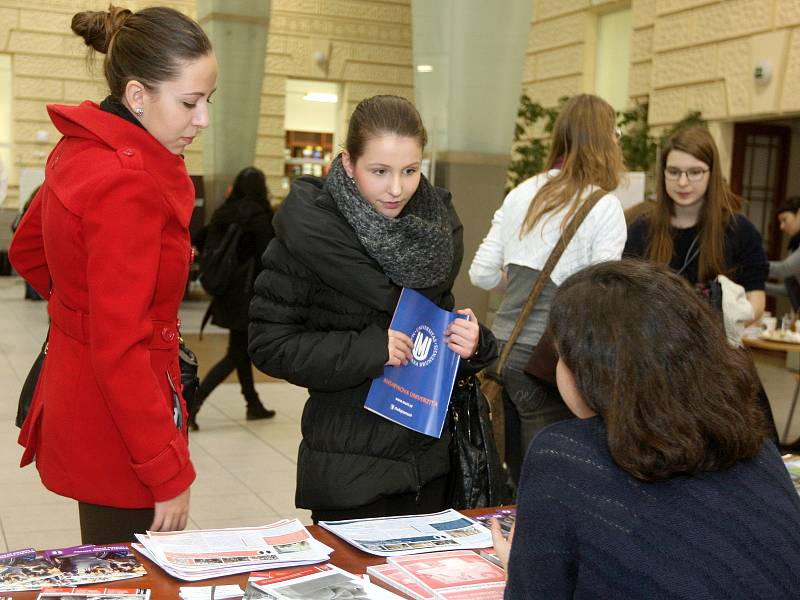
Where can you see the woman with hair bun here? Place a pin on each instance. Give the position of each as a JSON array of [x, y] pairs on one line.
[[106, 242]]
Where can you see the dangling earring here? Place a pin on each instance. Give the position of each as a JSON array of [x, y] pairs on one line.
[[139, 112]]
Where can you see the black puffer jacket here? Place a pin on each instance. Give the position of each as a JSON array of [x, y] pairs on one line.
[[319, 319], [255, 219]]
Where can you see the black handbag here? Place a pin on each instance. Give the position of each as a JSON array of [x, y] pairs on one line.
[[477, 476], [190, 382], [29, 387]]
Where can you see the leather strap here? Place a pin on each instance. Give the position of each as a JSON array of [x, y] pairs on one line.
[[552, 260]]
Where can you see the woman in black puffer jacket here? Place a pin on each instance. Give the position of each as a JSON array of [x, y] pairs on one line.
[[247, 205], [343, 250]]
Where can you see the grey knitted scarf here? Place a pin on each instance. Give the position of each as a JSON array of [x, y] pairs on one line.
[[414, 249]]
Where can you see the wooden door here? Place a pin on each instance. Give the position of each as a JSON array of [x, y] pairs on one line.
[[758, 174]]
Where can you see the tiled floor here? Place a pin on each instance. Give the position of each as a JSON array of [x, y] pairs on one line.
[[246, 470]]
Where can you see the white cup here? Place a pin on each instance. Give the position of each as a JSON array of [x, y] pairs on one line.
[[769, 324]]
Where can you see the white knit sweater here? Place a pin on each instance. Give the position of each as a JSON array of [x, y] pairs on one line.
[[600, 237]]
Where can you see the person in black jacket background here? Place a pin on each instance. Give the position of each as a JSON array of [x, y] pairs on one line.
[[343, 250], [248, 206]]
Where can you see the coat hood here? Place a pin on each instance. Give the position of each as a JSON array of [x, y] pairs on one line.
[[134, 146]]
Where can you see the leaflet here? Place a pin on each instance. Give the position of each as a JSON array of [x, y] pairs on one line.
[[400, 580], [459, 574], [414, 534], [73, 593], [201, 554], [313, 582], [77, 565]]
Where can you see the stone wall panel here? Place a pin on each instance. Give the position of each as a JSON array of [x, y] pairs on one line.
[[547, 93], [46, 20], [739, 92], [547, 9], [712, 23], [41, 89], [561, 62], [272, 104], [308, 7], [665, 7], [672, 104], [643, 13], [639, 79], [270, 125], [641, 44], [790, 97], [25, 131], [529, 69], [788, 13], [33, 65], [555, 33], [78, 91], [685, 66], [270, 145], [36, 43], [9, 20], [273, 84], [30, 110], [339, 29], [373, 11], [384, 74]]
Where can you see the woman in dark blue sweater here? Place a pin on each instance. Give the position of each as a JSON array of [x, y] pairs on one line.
[[665, 487]]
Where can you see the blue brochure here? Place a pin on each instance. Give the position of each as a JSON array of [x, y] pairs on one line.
[[417, 395]]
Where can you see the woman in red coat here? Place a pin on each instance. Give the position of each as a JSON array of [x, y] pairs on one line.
[[106, 242]]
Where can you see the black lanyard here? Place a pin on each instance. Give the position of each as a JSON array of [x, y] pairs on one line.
[[691, 254]]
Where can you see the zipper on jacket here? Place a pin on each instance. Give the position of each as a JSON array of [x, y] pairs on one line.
[[177, 413]]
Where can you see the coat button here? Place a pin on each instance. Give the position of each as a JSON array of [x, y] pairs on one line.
[[128, 152], [167, 334]]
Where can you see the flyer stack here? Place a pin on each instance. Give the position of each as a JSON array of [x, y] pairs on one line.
[[455, 575], [315, 581], [67, 567], [208, 553]]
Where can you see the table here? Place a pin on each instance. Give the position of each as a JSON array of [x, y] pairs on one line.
[[165, 587], [762, 344]]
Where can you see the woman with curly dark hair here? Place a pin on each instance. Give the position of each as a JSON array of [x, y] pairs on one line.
[[666, 486]]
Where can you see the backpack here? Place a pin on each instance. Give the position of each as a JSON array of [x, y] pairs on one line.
[[220, 263]]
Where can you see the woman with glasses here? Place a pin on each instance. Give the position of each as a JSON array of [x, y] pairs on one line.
[[696, 227], [584, 159]]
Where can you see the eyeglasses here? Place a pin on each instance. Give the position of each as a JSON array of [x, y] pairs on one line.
[[695, 174]]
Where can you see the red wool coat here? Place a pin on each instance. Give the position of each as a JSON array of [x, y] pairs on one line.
[[106, 241]]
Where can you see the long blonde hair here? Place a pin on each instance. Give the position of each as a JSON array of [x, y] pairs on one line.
[[585, 144]]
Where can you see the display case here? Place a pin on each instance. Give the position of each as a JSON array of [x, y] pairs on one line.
[[307, 153]]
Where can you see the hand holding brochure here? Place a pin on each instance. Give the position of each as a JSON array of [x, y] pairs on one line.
[[417, 395]]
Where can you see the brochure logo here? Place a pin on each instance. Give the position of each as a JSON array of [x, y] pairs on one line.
[[426, 347]]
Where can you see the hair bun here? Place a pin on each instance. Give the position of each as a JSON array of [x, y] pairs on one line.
[[97, 28]]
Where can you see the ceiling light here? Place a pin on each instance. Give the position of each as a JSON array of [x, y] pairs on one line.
[[424, 68], [321, 97]]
